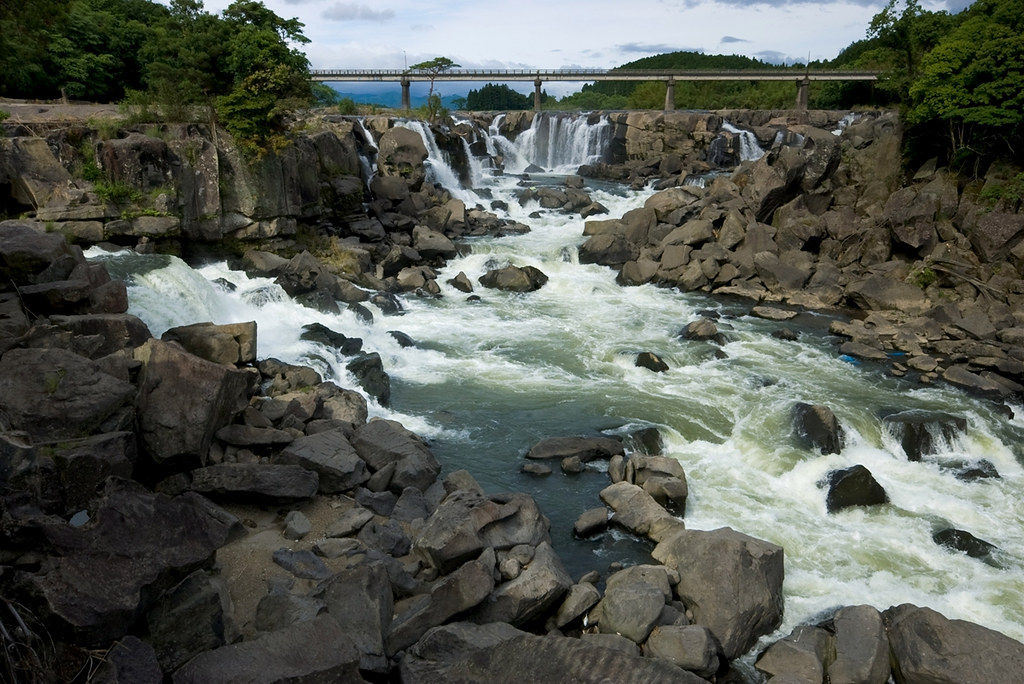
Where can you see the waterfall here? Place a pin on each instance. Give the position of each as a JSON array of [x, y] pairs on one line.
[[562, 143], [367, 152], [439, 169], [749, 149]]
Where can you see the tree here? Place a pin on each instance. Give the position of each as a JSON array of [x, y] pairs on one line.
[[972, 83], [434, 68]]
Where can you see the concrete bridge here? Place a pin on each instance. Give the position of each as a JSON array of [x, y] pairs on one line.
[[802, 78]]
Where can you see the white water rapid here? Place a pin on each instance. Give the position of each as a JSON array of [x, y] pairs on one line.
[[490, 378]]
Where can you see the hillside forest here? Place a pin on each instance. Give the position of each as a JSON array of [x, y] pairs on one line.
[[957, 79]]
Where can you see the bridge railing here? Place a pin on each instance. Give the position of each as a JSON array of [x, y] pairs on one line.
[[596, 74]]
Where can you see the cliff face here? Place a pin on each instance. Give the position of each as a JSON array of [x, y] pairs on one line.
[[175, 181]]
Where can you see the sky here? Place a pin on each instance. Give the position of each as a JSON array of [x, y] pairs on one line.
[[556, 34]]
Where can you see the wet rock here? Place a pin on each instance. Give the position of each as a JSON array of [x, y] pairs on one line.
[[514, 279], [731, 582], [922, 433], [816, 427], [321, 334], [461, 282], [585, 448], [798, 657], [315, 650], [651, 361], [661, 477], [953, 652], [965, 542], [854, 486], [703, 329], [607, 249]]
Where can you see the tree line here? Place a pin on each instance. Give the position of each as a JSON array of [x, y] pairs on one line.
[[243, 67]]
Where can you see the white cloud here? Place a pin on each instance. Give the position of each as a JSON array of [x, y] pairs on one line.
[[346, 11]]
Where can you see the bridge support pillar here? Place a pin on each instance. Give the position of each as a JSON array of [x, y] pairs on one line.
[[406, 97], [670, 95], [803, 87], [536, 94]]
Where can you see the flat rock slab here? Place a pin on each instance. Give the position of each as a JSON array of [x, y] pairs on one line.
[[255, 482], [586, 448]]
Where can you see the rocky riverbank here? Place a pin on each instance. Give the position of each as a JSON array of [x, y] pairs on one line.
[[183, 509]]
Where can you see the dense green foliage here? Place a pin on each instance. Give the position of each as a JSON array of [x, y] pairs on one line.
[[493, 97], [239, 67]]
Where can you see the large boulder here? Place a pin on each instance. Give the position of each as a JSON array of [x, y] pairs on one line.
[[861, 647], [514, 279], [317, 650], [853, 486], [637, 511], [817, 428], [183, 400], [229, 344], [331, 456], [101, 576], [584, 448], [382, 443], [467, 522], [255, 482], [799, 657], [539, 587], [633, 601], [926, 646], [401, 153], [731, 582], [500, 654], [54, 394], [360, 601]]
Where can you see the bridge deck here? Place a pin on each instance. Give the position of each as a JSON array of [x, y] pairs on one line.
[[590, 75]]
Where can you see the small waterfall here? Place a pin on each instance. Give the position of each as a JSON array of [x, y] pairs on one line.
[[844, 122], [749, 149], [439, 170], [367, 152]]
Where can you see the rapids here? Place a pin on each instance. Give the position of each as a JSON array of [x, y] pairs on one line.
[[490, 378]]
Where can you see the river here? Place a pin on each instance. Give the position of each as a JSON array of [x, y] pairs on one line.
[[487, 379]]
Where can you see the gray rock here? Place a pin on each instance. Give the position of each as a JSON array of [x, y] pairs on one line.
[[360, 601], [302, 564], [514, 279], [381, 442], [313, 651], [861, 647], [229, 344], [111, 569], [296, 525], [633, 602], [586, 448], [637, 511], [55, 394], [183, 400], [331, 456], [926, 646], [280, 609], [817, 428], [255, 482], [456, 593], [690, 647], [853, 486], [349, 522], [191, 618], [591, 522], [701, 329], [369, 371], [581, 598], [538, 588], [799, 657], [732, 583], [129, 661]]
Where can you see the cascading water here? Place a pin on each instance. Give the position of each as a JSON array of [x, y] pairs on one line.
[[749, 150], [489, 378], [561, 143]]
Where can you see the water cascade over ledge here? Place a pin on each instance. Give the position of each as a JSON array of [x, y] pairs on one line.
[[489, 378]]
